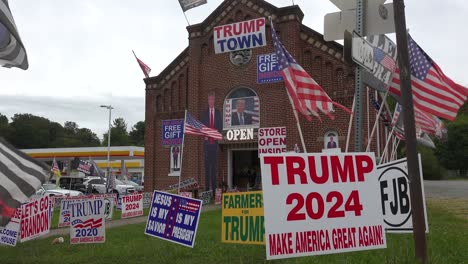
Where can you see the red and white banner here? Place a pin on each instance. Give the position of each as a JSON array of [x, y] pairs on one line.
[[321, 203], [186, 194], [132, 205], [271, 140], [87, 221], [218, 195], [240, 35], [35, 218]]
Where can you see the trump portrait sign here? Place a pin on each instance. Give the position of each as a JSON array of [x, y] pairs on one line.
[[172, 132], [240, 35], [173, 218], [320, 203]]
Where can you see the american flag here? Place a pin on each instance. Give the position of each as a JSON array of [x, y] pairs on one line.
[[189, 206], [84, 167], [145, 68], [307, 96], [396, 114], [12, 51], [20, 177], [195, 127], [384, 59], [433, 92], [55, 168], [384, 116]]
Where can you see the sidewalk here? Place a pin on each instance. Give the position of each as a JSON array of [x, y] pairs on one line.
[[120, 222]]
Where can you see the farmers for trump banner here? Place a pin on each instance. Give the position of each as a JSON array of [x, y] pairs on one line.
[[318, 204]]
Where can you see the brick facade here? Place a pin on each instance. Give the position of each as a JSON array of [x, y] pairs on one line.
[[185, 84]]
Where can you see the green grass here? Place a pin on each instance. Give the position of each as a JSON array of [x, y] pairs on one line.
[[447, 242]]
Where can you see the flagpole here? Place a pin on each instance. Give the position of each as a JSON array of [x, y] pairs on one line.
[[350, 124], [384, 152], [376, 94], [186, 18], [377, 119], [297, 122], [182, 153]]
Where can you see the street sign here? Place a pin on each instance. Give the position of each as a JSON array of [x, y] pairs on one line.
[[348, 5], [362, 52], [379, 20]]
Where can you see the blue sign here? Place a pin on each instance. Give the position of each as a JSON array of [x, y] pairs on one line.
[[267, 69], [172, 132], [173, 218]]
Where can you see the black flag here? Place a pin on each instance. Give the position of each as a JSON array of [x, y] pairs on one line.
[[12, 52]]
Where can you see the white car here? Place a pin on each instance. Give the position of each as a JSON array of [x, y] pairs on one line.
[[99, 186], [135, 185], [53, 190]]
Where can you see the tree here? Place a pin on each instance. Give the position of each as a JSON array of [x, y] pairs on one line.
[[29, 131], [137, 135], [119, 134], [453, 152], [4, 128]]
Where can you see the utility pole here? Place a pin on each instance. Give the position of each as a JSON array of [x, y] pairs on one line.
[[358, 84], [419, 234]]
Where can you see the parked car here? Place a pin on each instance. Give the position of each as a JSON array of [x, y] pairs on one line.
[[135, 185], [99, 186], [53, 190], [71, 183]]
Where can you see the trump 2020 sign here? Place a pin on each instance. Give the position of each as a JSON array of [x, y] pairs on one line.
[[320, 203]]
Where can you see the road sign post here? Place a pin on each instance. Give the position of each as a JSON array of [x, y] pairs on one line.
[[410, 132]]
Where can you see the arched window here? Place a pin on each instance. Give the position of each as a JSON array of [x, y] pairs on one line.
[[241, 109]]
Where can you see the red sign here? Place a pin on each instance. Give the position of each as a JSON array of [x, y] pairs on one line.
[[35, 218]]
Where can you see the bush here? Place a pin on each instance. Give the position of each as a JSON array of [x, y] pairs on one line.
[[432, 170]]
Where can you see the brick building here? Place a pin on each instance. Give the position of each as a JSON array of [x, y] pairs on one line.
[[186, 82]]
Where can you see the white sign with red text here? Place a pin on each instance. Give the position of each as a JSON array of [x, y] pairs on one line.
[[320, 203], [132, 205], [87, 218], [240, 35], [271, 140], [35, 218], [9, 234]]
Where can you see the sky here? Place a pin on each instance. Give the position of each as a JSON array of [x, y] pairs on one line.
[[80, 51]]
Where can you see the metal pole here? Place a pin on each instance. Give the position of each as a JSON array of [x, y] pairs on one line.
[[417, 207], [358, 85], [350, 124], [108, 147]]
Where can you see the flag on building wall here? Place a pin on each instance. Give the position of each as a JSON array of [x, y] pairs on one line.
[[189, 4], [433, 92], [307, 96], [145, 68], [12, 51], [20, 177], [195, 127]]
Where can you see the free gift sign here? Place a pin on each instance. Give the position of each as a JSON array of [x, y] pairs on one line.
[[240, 35], [321, 203]]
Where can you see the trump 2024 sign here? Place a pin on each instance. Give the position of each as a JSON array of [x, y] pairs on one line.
[[240, 35], [321, 203]]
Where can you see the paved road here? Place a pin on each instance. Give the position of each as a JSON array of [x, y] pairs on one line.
[[446, 189]]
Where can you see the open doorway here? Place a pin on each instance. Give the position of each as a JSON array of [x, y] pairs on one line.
[[245, 169]]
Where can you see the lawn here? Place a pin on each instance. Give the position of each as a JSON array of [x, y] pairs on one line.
[[447, 243]]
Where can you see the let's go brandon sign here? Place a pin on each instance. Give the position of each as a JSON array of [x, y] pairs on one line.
[[240, 35], [320, 204]]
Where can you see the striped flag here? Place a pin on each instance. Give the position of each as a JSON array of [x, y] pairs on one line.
[[307, 96], [12, 51], [189, 4], [20, 177], [145, 68], [195, 127], [433, 92], [189, 206]]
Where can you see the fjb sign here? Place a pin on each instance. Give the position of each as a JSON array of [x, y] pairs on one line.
[[240, 35], [395, 196], [320, 203]]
